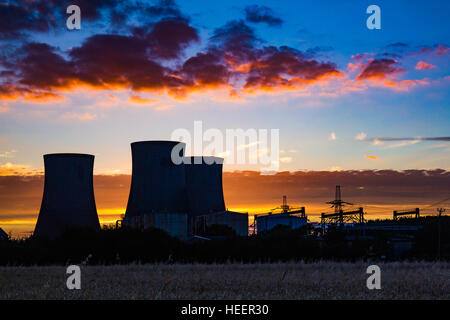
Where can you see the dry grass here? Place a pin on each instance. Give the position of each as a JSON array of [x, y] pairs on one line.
[[322, 280]]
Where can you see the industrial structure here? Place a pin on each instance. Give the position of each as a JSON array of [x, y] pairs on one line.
[[3, 235], [180, 198], [415, 213], [283, 215], [204, 185], [235, 220], [68, 200], [180, 195], [157, 184], [340, 216]]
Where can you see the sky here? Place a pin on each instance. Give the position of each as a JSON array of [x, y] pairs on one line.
[[343, 97]]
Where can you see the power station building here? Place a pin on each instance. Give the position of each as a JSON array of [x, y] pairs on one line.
[[68, 200], [168, 191], [206, 203], [171, 192], [158, 188], [283, 215], [268, 222], [204, 185]]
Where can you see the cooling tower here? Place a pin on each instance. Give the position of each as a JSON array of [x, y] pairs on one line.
[[68, 200], [204, 185], [157, 184]]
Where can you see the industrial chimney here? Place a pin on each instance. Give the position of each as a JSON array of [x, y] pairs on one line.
[[204, 185], [158, 185], [68, 200]]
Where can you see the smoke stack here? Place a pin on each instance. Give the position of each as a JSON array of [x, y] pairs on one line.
[[68, 200], [157, 184], [204, 185]]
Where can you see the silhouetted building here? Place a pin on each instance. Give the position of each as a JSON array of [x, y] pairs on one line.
[[157, 184], [204, 185], [235, 220], [68, 200], [270, 221], [3, 235]]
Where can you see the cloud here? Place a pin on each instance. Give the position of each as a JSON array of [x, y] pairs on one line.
[[158, 37], [371, 157], [164, 8], [207, 70], [288, 69], [382, 72], [233, 61], [262, 14], [169, 38], [12, 169], [21, 194], [409, 139], [15, 19], [332, 136], [401, 142], [377, 142], [36, 59], [421, 65], [286, 159], [360, 136], [23, 17], [139, 100], [379, 69], [8, 154], [438, 49], [79, 116]]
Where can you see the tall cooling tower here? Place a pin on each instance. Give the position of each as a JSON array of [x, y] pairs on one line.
[[157, 184], [204, 185], [68, 200]]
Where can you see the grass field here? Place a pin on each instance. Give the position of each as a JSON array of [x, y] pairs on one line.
[[322, 280]]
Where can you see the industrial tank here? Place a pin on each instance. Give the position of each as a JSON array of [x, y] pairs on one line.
[[68, 200], [158, 185], [204, 185]]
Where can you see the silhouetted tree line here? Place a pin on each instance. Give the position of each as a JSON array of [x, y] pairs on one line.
[[123, 246]]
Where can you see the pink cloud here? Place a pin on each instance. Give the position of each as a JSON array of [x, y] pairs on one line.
[[421, 65]]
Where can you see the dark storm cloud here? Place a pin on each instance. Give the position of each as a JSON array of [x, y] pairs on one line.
[[168, 38], [276, 67], [41, 59], [237, 39], [102, 62], [20, 17], [17, 18], [152, 58], [207, 69], [398, 47], [164, 8], [262, 14]]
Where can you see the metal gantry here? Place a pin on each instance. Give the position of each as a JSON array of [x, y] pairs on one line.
[[398, 213]]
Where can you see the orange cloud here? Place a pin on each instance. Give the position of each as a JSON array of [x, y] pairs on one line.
[[82, 117], [11, 169], [139, 100], [371, 157], [43, 97]]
